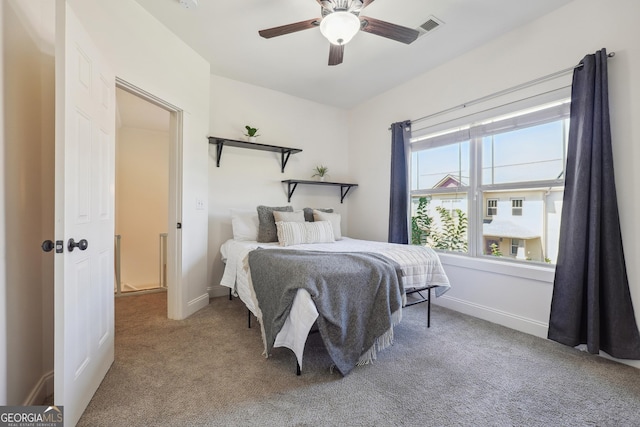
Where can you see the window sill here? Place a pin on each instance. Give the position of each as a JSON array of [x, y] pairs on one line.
[[539, 273]]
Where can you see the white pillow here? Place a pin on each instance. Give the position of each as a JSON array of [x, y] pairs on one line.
[[244, 223], [291, 233], [333, 218], [295, 216], [319, 232], [297, 233]]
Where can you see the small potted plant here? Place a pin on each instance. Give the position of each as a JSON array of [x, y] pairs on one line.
[[321, 172], [251, 133]]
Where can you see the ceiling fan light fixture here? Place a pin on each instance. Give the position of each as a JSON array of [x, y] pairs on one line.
[[189, 4], [340, 27]]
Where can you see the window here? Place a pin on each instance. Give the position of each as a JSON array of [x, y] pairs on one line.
[[444, 171], [492, 207], [516, 244], [516, 207], [492, 186]]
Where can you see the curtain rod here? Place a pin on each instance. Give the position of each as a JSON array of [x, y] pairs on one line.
[[505, 91]]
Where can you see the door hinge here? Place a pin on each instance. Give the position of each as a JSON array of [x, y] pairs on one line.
[[179, 225]]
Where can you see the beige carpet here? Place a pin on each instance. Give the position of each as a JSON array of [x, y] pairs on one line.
[[208, 371]]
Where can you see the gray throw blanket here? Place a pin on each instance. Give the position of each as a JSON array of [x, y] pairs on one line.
[[358, 296]]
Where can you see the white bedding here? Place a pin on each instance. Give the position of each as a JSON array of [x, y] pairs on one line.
[[420, 267]]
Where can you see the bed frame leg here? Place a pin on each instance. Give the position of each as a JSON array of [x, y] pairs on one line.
[[429, 308], [249, 318], [230, 298], [298, 371]]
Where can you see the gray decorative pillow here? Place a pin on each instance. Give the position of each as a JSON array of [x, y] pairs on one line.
[[308, 213], [267, 231]]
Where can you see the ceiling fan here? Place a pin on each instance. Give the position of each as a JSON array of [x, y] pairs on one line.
[[340, 22]]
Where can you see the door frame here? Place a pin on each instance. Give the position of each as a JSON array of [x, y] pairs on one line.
[[174, 238]]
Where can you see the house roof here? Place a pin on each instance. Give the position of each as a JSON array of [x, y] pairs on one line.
[[505, 228], [449, 181]]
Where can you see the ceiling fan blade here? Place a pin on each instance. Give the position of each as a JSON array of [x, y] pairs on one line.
[[336, 52], [326, 4], [389, 30], [290, 28]]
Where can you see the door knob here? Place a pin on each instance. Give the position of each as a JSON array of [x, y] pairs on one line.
[[48, 246], [82, 245]]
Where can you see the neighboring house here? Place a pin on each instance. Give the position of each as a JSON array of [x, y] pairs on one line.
[[522, 224], [450, 201], [449, 181]]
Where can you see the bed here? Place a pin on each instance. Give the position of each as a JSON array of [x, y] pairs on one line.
[[419, 269]]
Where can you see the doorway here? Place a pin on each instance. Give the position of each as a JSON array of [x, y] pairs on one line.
[[147, 194], [141, 195]]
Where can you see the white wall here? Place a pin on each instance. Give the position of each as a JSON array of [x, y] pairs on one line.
[[552, 43], [27, 86], [248, 178], [146, 54], [142, 186]]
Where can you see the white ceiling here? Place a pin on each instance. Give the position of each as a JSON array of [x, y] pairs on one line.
[[225, 33]]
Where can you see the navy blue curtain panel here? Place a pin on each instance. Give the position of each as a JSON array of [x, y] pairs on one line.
[[399, 197], [591, 302]]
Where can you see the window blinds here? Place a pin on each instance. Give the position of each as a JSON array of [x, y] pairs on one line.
[[530, 112]]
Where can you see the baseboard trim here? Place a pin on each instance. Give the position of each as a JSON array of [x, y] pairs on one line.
[[217, 291], [510, 320], [196, 304], [42, 389]]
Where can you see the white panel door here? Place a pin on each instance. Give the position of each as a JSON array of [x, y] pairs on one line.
[[85, 150]]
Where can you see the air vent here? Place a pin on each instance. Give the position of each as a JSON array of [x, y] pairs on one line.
[[430, 25]]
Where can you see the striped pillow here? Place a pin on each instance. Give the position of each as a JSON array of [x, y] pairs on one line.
[[319, 232], [291, 233], [333, 218], [297, 233]]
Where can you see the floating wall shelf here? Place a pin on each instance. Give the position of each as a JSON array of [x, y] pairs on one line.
[[292, 184], [285, 152]]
